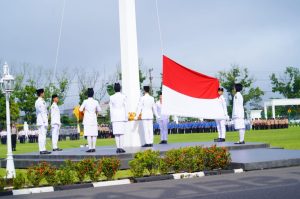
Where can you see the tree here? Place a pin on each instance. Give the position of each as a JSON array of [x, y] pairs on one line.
[[142, 78], [26, 97], [60, 89], [252, 95], [110, 84], [14, 109], [289, 84], [91, 80], [68, 121]]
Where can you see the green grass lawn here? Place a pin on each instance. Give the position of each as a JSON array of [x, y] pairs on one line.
[[287, 138]]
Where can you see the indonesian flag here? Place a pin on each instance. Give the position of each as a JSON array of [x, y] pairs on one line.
[[188, 93]]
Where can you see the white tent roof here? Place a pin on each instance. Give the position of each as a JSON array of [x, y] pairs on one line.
[[283, 102], [280, 102]]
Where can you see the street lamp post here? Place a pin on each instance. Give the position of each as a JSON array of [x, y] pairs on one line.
[[7, 85]]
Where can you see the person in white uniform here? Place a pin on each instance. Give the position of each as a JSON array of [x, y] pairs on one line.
[[26, 129], [147, 107], [41, 120], [118, 116], [55, 122], [221, 122], [91, 108], [162, 122], [238, 112]]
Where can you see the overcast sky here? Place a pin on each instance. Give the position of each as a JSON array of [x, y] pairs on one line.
[[205, 35]]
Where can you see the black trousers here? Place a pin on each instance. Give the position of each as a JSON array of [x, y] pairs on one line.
[[13, 141]]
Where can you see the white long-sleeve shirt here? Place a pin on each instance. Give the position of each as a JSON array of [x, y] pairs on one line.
[[55, 114], [162, 117], [91, 107], [238, 106], [41, 112], [118, 107], [224, 104], [147, 107]]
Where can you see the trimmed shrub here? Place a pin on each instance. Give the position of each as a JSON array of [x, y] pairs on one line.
[[2, 183], [216, 158], [65, 174], [50, 174], [163, 166], [173, 160], [88, 167], [137, 168], [188, 161], [35, 174], [199, 158], [150, 159], [110, 166], [81, 170], [19, 181]]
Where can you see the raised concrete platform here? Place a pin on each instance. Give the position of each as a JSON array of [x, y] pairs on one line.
[[251, 156], [257, 159], [77, 154]]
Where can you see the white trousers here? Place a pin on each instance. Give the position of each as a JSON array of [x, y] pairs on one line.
[[92, 141], [42, 138], [242, 134], [119, 141], [148, 131], [163, 126], [55, 134], [221, 128]]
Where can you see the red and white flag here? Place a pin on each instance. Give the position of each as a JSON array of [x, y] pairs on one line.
[[188, 93]]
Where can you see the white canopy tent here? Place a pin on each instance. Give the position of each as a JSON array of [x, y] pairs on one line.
[[279, 102]]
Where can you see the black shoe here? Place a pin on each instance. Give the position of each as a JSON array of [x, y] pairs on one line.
[[118, 150], [150, 145], [89, 151], [163, 142], [145, 145], [220, 140], [45, 152], [58, 149], [93, 150], [122, 150], [243, 142]]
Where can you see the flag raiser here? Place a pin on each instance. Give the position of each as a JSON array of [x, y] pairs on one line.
[[188, 93]]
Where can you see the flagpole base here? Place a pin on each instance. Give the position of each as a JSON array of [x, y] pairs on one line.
[[134, 136]]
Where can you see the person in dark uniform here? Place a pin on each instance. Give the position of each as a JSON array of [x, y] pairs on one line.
[[14, 134]]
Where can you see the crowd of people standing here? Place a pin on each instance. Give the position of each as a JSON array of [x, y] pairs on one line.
[[262, 124]]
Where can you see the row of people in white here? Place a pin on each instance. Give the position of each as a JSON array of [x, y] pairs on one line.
[[146, 107], [42, 121]]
